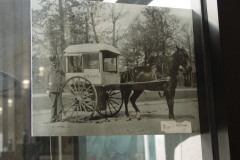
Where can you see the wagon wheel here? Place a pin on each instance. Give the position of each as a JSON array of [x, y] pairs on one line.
[[111, 102], [78, 99]]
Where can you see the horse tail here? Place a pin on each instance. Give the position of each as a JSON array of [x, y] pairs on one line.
[[161, 95]]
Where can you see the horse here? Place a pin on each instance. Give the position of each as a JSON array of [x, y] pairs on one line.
[[168, 68]]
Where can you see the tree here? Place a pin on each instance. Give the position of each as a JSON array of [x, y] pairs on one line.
[[39, 44], [159, 30], [83, 18], [96, 17], [133, 49], [61, 24], [116, 13], [47, 24], [71, 19], [153, 31], [187, 39]]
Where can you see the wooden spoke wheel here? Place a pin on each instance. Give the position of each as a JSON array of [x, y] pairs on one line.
[[78, 99], [110, 102]]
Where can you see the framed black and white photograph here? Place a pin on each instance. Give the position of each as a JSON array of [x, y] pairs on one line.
[[112, 69]]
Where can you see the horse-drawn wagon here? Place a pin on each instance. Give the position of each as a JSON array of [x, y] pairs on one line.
[[94, 83]]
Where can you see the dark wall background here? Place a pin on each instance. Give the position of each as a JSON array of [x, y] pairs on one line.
[[229, 21]]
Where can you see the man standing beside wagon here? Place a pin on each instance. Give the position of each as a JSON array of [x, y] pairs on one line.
[[53, 85]]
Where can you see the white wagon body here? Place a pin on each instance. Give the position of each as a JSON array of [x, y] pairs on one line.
[[99, 63]]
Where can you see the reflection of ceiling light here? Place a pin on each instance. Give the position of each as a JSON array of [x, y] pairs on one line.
[[183, 148], [41, 71], [160, 147], [110, 1], [10, 102], [41, 68], [184, 4], [1, 109], [26, 83]]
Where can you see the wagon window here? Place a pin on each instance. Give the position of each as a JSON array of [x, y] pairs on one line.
[[75, 64], [91, 61], [110, 65]]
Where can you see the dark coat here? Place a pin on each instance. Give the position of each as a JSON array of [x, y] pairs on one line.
[[54, 79]]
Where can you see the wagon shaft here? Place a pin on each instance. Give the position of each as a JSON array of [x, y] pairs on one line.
[[157, 85]]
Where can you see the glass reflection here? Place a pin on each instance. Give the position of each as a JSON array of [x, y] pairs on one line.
[[16, 141], [26, 83], [159, 147]]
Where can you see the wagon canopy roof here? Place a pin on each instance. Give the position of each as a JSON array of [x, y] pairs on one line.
[[90, 48]]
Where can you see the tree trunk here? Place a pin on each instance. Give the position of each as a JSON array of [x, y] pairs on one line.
[[114, 34], [87, 30], [189, 48], [61, 25], [94, 29]]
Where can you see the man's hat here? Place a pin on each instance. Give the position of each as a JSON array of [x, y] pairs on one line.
[[53, 57]]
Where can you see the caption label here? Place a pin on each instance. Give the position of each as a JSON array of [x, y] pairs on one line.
[[176, 127]]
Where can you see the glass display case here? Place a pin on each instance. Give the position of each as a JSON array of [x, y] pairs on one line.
[[140, 34]]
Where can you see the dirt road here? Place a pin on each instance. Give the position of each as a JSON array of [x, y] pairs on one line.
[[152, 113]]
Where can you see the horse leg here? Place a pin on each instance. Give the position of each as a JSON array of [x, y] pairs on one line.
[[126, 94], [170, 102], [133, 98]]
